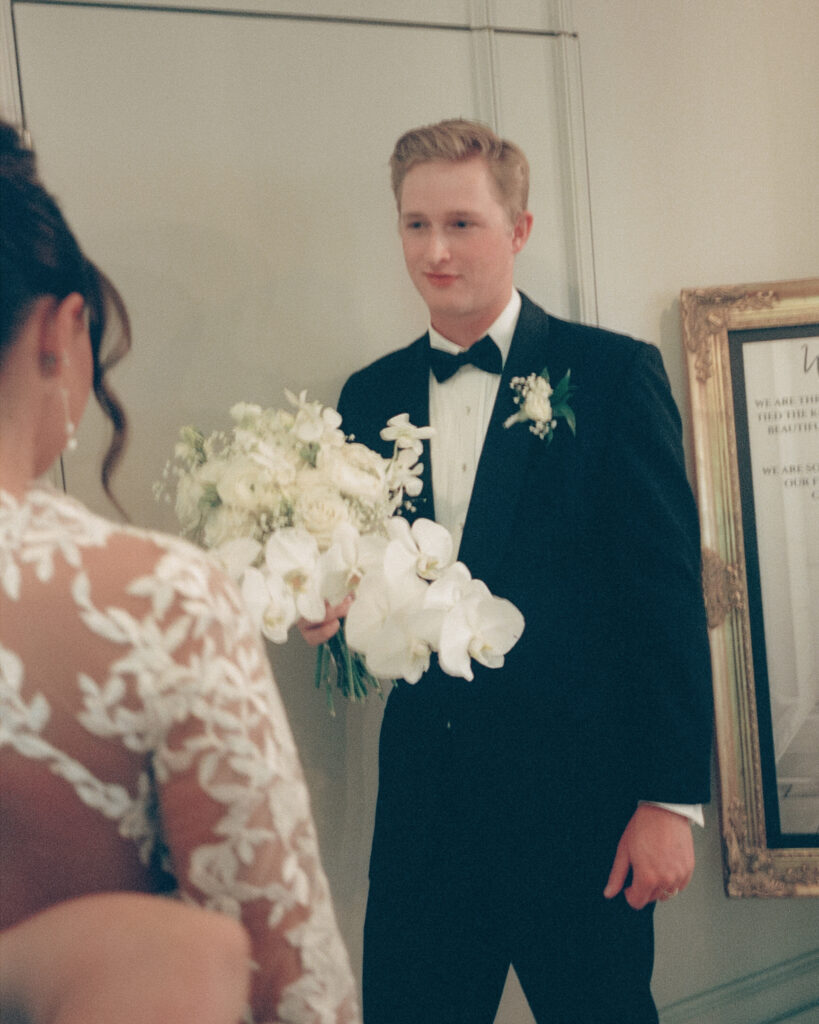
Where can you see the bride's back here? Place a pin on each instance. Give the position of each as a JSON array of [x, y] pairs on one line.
[[77, 657]]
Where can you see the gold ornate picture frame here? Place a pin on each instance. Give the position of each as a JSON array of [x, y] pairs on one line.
[[752, 360]]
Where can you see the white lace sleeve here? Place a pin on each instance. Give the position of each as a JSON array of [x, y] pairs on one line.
[[233, 805], [146, 691]]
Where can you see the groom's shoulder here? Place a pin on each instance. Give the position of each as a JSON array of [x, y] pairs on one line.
[[387, 373], [391, 363], [599, 346]]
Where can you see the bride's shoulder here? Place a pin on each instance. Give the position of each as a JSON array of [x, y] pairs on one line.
[[125, 557]]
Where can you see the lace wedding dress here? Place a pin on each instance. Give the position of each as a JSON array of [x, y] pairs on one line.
[[143, 745]]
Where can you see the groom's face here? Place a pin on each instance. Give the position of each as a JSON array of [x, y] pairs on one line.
[[459, 244]]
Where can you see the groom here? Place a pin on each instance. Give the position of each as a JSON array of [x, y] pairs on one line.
[[532, 816]]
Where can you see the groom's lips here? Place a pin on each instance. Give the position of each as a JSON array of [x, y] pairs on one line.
[[440, 280]]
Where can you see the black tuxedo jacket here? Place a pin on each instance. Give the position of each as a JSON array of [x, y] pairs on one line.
[[606, 699]]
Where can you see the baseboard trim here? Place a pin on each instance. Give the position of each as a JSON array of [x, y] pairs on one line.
[[785, 992]]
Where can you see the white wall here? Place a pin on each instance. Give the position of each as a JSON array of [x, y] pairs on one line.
[[702, 121]]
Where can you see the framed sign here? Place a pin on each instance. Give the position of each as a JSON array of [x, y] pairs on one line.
[[752, 358]]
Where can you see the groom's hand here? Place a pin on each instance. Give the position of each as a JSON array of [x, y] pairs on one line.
[[316, 633], [658, 847]]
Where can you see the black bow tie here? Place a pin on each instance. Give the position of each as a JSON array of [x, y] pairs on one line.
[[484, 354]]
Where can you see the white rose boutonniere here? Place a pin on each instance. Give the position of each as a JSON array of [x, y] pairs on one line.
[[541, 405]]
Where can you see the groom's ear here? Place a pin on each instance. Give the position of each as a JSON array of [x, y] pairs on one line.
[[521, 230]]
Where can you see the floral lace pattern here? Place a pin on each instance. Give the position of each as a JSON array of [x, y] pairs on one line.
[[166, 668]]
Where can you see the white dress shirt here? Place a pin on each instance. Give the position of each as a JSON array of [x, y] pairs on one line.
[[459, 410]]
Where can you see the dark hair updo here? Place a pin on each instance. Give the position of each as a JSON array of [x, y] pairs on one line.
[[40, 256]]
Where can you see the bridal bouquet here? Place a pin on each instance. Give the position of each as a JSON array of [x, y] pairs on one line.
[[301, 515]]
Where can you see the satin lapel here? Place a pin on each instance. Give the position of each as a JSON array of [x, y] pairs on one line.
[[414, 390], [501, 470]]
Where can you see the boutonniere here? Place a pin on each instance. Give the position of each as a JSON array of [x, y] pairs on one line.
[[542, 405]]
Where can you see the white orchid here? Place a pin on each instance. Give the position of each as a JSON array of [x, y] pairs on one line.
[[477, 625], [237, 555], [340, 565], [405, 434], [404, 473], [387, 624], [314, 422], [435, 548], [270, 603], [292, 555], [428, 545]]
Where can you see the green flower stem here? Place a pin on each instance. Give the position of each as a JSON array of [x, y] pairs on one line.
[[322, 665], [351, 674]]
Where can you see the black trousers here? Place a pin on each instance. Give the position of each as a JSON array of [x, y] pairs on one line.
[[441, 955]]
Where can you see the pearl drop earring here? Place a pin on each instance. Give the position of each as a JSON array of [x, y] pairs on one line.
[[70, 429]]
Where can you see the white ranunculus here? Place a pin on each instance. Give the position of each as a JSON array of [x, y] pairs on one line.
[[318, 507], [245, 483], [292, 554], [356, 471], [536, 404]]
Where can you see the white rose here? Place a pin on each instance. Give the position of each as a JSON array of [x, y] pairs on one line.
[[536, 404], [319, 509]]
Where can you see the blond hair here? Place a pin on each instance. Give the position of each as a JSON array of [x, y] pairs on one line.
[[455, 140]]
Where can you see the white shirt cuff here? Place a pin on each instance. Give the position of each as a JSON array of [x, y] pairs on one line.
[[691, 811]]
